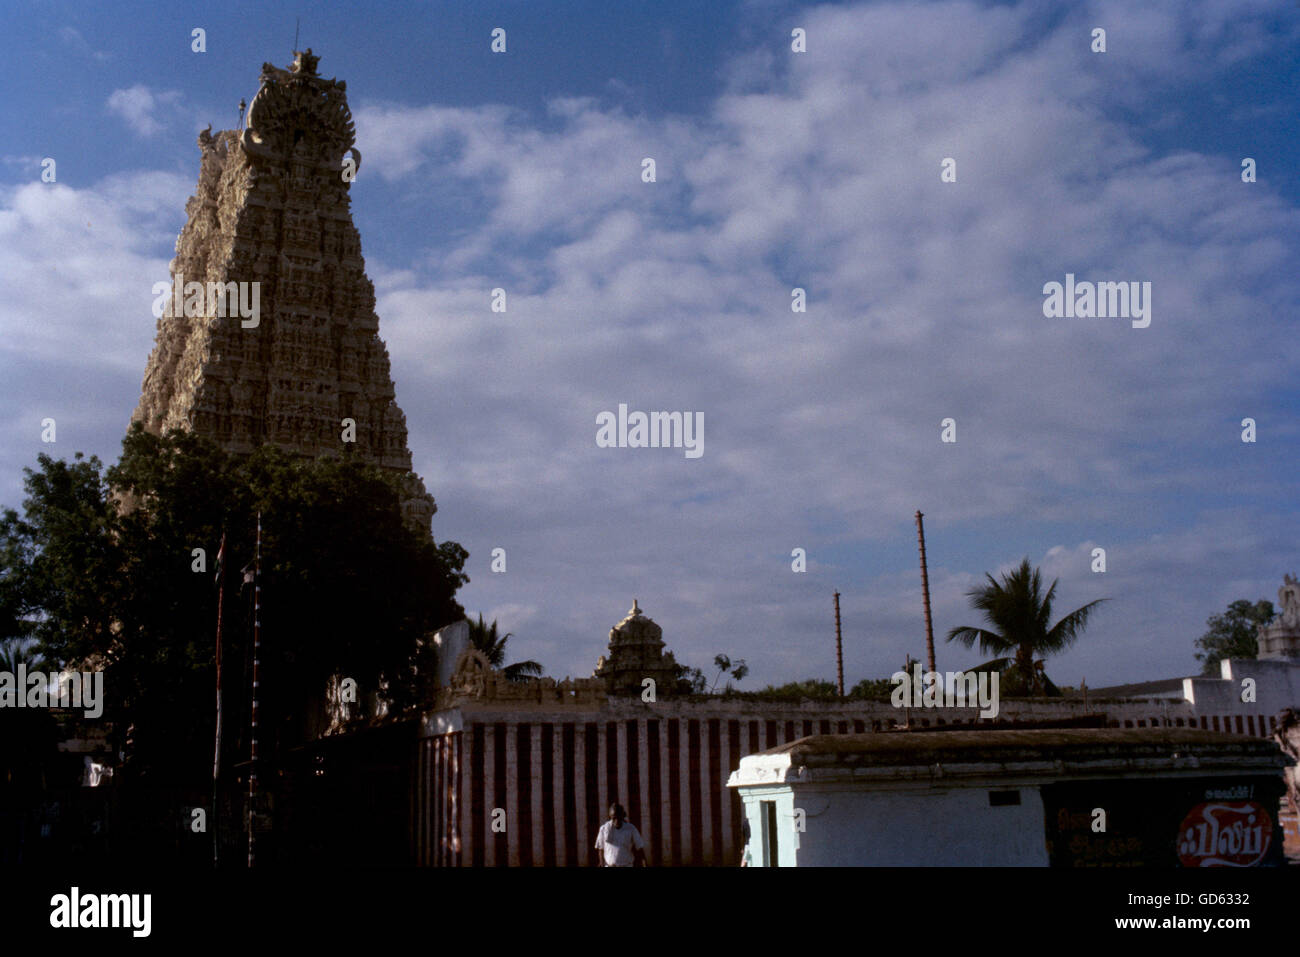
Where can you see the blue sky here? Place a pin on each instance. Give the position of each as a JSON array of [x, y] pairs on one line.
[[775, 170]]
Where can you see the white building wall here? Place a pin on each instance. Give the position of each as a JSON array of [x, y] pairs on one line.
[[1276, 686], [932, 827]]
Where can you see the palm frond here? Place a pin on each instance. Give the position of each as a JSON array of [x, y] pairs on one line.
[[1066, 631], [1045, 608], [989, 641], [484, 637], [16, 651], [523, 670]]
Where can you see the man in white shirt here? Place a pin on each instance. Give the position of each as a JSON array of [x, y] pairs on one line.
[[619, 841]]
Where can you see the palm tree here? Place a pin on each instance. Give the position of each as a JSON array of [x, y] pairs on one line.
[[15, 651], [1019, 613], [484, 638]]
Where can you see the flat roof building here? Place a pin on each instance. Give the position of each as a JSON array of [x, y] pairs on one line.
[[1100, 797]]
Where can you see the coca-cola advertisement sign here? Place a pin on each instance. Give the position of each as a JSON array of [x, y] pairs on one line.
[[1225, 834]]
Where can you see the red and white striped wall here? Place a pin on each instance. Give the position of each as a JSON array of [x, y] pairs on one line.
[[554, 778], [526, 787]]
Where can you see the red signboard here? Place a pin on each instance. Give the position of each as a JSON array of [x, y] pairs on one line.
[[1225, 834]]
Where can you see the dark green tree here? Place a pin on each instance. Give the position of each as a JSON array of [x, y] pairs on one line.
[[59, 558], [811, 688], [691, 680], [1232, 634], [101, 568], [872, 689], [493, 646], [1018, 612]]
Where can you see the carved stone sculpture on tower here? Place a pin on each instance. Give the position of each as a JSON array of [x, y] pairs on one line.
[[1281, 639], [272, 208]]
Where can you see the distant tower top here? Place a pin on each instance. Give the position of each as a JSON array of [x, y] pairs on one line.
[[636, 652]]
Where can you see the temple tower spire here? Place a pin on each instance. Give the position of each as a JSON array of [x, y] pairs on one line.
[[269, 333]]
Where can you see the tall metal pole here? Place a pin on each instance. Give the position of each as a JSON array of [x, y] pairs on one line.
[[257, 647], [216, 758], [839, 648], [925, 594], [915, 694]]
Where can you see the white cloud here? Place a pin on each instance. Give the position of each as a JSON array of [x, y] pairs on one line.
[[73, 38], [926, 302], [821, 430], [143, 108], [77, 266]]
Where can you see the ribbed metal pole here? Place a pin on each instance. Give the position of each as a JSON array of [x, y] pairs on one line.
[[839, 648], [925, 594], [257, 647], [216, 753]]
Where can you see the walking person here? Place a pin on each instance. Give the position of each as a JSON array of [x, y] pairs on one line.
[[619, 842]]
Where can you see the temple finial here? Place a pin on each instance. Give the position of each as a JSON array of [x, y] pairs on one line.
[[304, 62]]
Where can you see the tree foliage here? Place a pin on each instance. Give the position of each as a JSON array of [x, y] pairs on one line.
[[725, 666], [100, 568], [691, 680], [811, 688], [1232, 634], [694, 681], [872, 689]]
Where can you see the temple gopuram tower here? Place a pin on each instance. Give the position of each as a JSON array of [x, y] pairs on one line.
[[272, 209]]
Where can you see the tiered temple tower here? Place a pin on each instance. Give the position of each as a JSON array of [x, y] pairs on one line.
[[272, 208], [636, 652]]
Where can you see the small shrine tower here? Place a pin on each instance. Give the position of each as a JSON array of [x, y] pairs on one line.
[[636, 652]]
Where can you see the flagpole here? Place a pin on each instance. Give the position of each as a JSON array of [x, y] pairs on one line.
[[839, 648], [257, 646], [216, 758], [925, 593]]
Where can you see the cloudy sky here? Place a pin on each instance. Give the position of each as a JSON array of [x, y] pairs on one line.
[[775, 170]]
